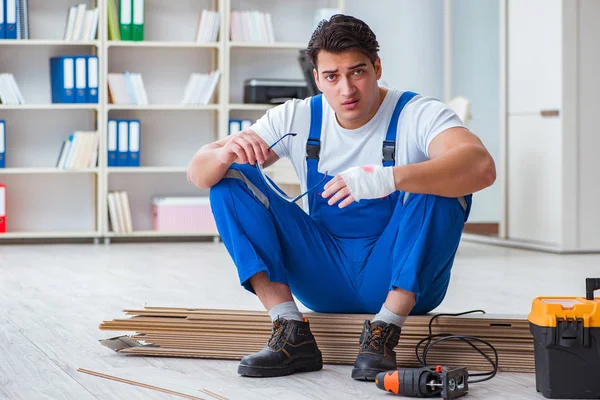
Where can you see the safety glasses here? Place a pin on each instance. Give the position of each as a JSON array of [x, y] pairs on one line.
[[275, 188]]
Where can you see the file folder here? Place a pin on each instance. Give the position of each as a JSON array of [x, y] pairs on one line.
[[246, 123], [2, 208], [123, 143], [125, 18], [62, 79], [81, 80], [137, 28], [2, 22], [235, 125], [10, 19], [92, 79], [134, 143], [112, 143], [2, 144]]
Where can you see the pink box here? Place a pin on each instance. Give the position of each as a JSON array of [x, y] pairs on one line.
[[183, 214]]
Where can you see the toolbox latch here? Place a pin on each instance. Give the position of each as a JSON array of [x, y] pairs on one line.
[[571, 332]]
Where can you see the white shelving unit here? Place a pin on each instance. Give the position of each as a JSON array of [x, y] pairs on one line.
[[44, 202]]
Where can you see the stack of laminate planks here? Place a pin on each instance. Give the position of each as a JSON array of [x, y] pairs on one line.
[[231, 334]]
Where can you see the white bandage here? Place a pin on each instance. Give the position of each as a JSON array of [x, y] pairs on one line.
[[369, 181]]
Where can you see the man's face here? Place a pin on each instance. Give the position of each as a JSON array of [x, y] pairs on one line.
[[349, 83]]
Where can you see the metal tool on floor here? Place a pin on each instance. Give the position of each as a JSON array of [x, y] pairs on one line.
[[449, 383]]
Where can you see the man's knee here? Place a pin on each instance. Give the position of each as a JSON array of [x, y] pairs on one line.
[[240, 180], [436, 203]]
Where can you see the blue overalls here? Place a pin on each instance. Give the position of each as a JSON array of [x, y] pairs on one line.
[[340, 260]]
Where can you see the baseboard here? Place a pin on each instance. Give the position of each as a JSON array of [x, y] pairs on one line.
[[482, 228]]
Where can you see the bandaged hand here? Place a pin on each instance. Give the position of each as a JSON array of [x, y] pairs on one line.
[[357, 183]]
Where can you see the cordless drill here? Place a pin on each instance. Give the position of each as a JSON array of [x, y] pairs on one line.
[[449, 383]]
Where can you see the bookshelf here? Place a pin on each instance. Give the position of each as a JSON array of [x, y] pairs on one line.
[[44, 202]]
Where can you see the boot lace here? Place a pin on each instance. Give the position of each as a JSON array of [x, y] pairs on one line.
[[277, 335], [376, 339]]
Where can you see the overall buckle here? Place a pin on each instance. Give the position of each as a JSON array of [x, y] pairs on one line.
[[389, 150], [313, 148]]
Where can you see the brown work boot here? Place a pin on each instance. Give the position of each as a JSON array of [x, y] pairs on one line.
[[291, 348], [376, 354]]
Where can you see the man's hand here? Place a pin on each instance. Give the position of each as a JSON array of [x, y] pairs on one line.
[[357, 183], [244, 147]]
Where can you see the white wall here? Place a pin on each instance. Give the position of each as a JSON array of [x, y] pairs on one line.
[[410, 35], [475, 75]]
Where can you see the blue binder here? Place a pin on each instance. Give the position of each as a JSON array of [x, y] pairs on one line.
[[81, 77], [2, 19], [235, 125], [135, 136], [122, 143], [2, 144], [92, 79], [112, 143], [62, 79], [10, 18]]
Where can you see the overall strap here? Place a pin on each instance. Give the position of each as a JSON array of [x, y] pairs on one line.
[[389, 144], [313, 143]]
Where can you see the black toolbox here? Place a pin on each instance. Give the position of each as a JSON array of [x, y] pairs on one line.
[[566, 332]]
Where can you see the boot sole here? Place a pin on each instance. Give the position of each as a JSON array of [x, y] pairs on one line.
[[365, 374], [302, 365]]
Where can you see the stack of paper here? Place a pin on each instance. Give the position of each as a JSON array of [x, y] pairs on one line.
[[208, 27], [127, 88], [9, 90], [82, 24], [252, 26], [200, 88], [119, 212], [232, 334], [80, 151]]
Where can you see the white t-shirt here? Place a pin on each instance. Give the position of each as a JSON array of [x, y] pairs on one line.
[[420, 121]]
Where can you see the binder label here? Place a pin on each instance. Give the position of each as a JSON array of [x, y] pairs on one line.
[[93, 72], [2, 137], [68, 74], [134, 136]]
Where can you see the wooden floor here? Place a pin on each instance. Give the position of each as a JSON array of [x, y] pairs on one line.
[[53, 297]]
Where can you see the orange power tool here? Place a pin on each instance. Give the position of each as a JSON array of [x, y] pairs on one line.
[[449, 383]]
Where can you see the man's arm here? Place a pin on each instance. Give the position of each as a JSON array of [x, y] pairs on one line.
[[459, 165], [211, 162]]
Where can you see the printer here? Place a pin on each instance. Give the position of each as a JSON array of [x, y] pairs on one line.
[[274, 91]]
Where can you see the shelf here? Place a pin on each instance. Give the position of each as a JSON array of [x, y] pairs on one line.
[[268, 46], [157, 44], [171, 132], [45, 42], [145, 170], [163, 107], [251, 107], [46, 235], [25, 171], [80, 106], [162, 234]]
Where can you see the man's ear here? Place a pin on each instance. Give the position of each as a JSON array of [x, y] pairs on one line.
[[377, 66], [316, 75]]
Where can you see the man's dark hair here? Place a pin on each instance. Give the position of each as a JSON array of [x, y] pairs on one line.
[[342, 33]]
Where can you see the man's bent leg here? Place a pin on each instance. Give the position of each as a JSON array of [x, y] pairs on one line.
[[274, 243], [408, 271], [264, 233]]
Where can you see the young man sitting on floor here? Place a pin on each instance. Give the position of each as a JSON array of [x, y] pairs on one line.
[[389, 175]]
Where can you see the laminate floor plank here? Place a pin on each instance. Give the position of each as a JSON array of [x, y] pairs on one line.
[[27, 373]]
